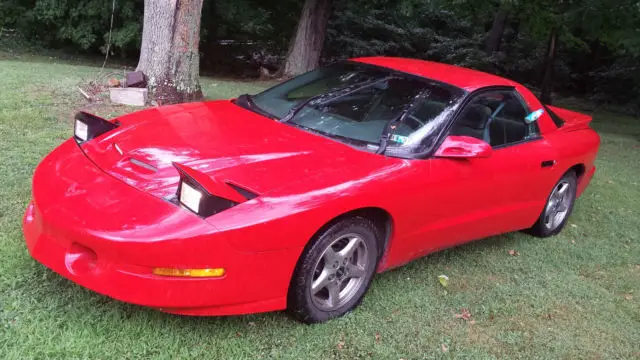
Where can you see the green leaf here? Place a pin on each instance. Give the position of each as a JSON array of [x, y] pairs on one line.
[[444, 280]]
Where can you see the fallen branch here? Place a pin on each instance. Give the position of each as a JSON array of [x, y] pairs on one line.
[[84, 93]]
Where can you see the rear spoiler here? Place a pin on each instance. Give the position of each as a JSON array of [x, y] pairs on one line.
[[568, 120]]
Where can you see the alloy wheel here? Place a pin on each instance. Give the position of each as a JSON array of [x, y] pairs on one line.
[[558, 205], [340, 272]]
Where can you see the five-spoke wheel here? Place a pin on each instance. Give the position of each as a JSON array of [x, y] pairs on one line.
[[558, 205], [334, 271], [558, 208], [340, 272]]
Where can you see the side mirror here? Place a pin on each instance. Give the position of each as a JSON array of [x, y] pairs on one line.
[[464, 147], [532, 117]]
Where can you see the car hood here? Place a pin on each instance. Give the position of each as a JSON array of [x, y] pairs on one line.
[[217, 138]]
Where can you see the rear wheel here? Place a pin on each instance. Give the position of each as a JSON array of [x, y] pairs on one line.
[[559, 205], [335, 271]]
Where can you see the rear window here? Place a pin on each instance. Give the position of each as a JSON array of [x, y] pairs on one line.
[[556, 119]]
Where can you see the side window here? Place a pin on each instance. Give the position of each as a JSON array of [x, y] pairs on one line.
[[496, 117]]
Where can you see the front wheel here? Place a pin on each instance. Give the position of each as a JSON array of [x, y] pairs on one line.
[[559, 205], [335, 271]]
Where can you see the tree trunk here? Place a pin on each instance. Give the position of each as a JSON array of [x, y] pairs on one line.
[[306, 45], [552, 49], [209, 47], [169, 54], [497, 30]]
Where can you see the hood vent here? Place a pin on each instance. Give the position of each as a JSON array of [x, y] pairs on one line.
[[143, 165]]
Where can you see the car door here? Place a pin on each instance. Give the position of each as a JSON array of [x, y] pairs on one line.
[[472, 198]]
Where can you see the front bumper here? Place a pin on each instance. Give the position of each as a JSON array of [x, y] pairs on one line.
[[129, 283], [97, 239], [135, 284]]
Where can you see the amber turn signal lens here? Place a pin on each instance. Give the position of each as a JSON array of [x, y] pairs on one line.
[[217, 272]]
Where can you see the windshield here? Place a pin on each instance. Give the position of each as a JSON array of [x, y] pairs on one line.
[[356, 102]]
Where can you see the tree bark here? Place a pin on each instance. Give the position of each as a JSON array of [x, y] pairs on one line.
[[169, 54], [552, 50], [497, 30], [306, 45]]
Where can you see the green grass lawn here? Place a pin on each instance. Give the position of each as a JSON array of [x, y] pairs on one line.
[[573, 296]]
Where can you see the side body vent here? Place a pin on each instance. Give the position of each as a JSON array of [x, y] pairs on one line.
[[244, 192]]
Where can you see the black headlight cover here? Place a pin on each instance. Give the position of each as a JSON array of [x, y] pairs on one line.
[[210, 204], [96, 125]]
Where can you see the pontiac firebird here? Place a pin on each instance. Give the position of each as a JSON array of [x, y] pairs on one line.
[[295, 197]]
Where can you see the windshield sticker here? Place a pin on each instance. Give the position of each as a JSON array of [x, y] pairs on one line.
[[399, 139]]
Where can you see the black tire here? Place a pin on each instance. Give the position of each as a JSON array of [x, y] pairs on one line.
[[541, 227], [304, 306]]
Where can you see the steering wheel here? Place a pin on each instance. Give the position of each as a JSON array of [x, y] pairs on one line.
[[416, 120], [377, 99]]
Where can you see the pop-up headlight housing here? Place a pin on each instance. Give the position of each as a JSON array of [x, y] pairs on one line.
[[190, 197], [206, 196], [88, 126]]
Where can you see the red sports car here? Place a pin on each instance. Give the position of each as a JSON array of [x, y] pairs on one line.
[[295, 197]]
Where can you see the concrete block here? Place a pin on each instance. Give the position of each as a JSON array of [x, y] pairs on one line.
[[129, 96]]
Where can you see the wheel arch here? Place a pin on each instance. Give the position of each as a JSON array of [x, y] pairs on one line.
[[380, 217], [578, 169]]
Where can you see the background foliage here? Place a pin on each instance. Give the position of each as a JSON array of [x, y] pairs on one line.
[[598, 54]]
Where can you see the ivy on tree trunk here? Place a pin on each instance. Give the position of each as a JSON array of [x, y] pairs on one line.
[[169, 54]]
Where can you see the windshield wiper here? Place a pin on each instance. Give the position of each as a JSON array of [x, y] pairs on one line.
[[246, 101], [386, 131], [332, 95]]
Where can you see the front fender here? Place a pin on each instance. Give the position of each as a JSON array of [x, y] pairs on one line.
[[288, 219]]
